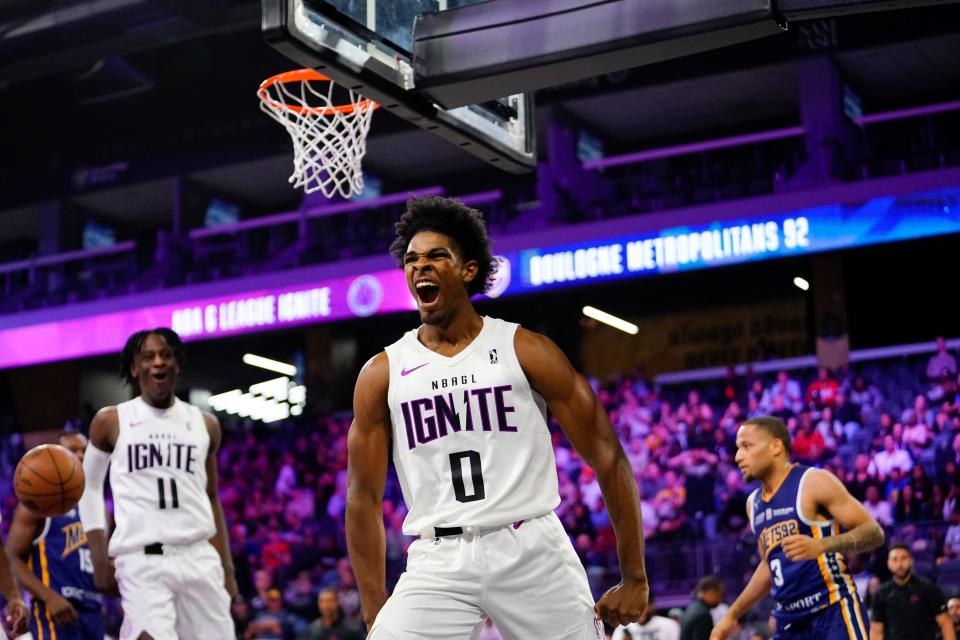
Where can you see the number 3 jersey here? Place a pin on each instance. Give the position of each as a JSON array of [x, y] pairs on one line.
[[807, 586], [471, 444], [158, 477]]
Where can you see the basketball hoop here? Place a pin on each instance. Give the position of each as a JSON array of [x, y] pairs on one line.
[[329, 140]]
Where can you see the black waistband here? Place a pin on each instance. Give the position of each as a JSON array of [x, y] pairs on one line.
[[155, 549], [440, 532]]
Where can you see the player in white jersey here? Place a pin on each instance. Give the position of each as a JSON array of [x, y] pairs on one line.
[[462, 400], [173, 565]]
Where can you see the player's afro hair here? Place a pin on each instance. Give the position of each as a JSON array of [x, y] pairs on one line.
[[452, 218], [132, 348]]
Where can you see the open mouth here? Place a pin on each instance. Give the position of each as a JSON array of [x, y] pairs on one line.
[[427, 291], [160, 376]]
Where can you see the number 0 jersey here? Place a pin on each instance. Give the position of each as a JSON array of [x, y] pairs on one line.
[[807, 586], [158, 477], [470, 439]]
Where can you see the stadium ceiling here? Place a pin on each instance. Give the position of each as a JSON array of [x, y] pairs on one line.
[[168, 87]]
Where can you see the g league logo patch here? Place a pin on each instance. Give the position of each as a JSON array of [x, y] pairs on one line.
[[493, 356], [365, 295]]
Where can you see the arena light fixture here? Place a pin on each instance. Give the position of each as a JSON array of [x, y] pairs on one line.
[[221, 401], [276, 388], [801, 283], [270, 365], [610, 319]]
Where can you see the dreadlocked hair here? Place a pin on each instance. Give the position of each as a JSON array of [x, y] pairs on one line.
[[132, 348]]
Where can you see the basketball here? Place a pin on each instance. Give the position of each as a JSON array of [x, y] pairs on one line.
[[49, 480]]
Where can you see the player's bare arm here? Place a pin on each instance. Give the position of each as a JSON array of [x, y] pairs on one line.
[[24, 529], [756, 590], [15, 621], [824, 493], [947, 630], [219, 540], [104, 430], [368, 448], [586, 425]]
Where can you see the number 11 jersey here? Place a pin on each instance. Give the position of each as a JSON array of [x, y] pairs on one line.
[[158, 477], [471, 444]]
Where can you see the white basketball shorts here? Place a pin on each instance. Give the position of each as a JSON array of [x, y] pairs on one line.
[[527, 578], [179, 595]]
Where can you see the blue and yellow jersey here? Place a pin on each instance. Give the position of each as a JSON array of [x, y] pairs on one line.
[[808, 586], [61, 560]]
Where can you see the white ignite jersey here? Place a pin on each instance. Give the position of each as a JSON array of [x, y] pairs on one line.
[[470, 439], [158, 477]]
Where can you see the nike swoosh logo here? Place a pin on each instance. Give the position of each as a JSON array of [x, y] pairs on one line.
[[405, 372]]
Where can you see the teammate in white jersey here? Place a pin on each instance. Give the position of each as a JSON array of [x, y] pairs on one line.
[[462, 400], [173, 565]]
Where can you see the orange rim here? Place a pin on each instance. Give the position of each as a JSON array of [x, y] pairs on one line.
[[307, 75]]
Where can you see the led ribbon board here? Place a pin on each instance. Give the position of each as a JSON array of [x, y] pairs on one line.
[[763, 237]]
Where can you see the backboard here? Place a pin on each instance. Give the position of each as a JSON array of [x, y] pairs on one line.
[[366, 46]]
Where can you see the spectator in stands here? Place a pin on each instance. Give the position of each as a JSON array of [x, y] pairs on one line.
[[941, 363], [649, 626], [950, 503], [895, 483], [733, 513], [301, 597], [848, 415], [923, 412], [577, 521], [759, 398], [808, 444], [909, 509], [831, 429], [937, 502], [859, 479], [669, 503], [347, 592], [951, 541], [891, 456], [917, 435], [697, 622], [699, 481], [637, 454], [945, 390], [331, 625], [262, 582], [241, 614], [922, 487], [781, 410], [908, 607], [274, 622], [724, 448], [865, 398], [648, 513], [822, 392], [879, 509], [789, 390]]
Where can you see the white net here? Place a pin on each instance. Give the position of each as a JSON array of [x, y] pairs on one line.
[[329, 141]]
